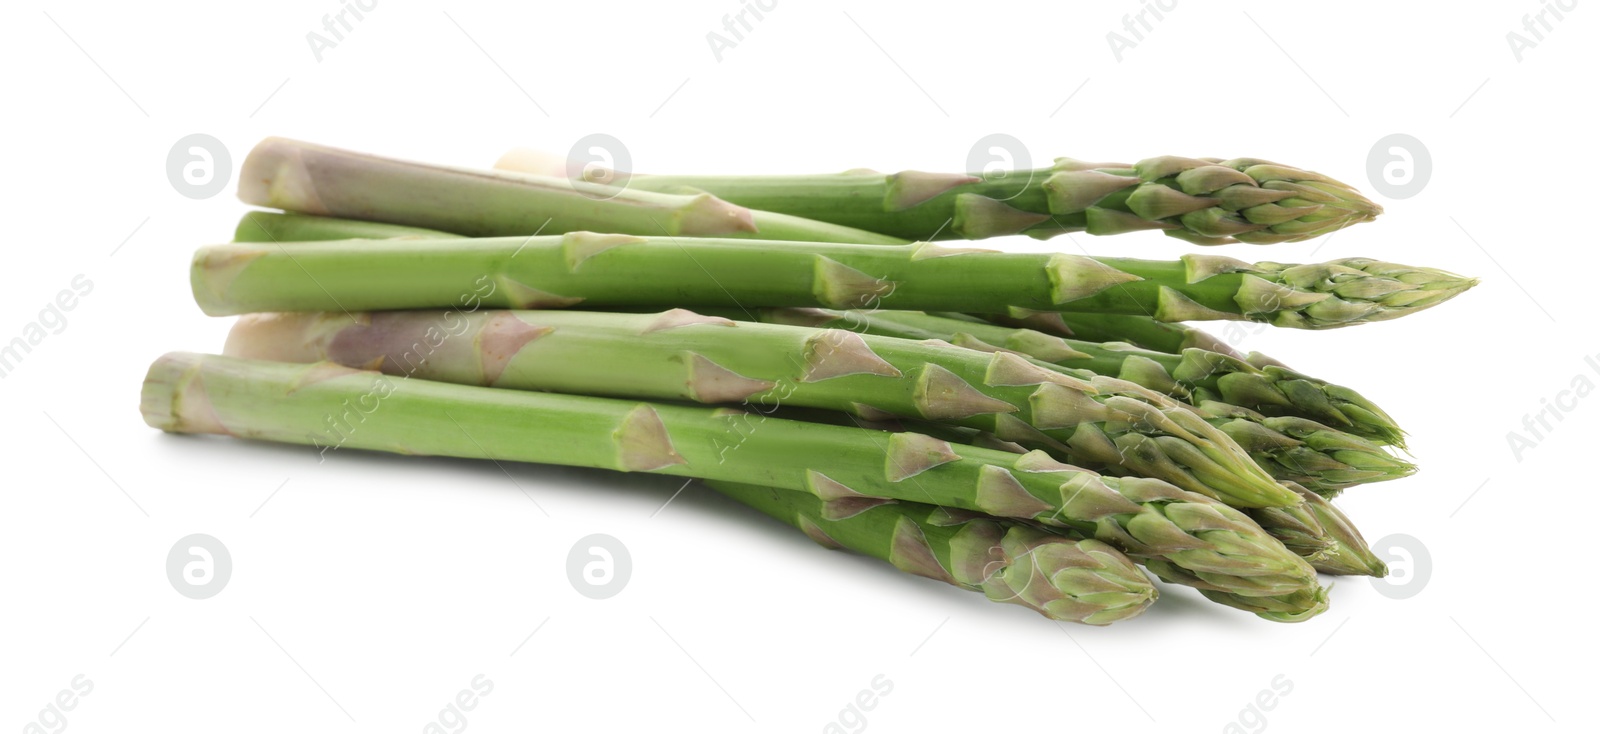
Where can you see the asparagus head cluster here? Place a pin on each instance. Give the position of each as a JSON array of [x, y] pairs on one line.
[[1060, 577]]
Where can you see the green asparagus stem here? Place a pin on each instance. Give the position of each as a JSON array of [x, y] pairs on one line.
[[681, 355], [1070, 580], [1207, 201], [261, 226], [623, 270], [1142, 331], [1200, 377], [313, 179], [332, 406]]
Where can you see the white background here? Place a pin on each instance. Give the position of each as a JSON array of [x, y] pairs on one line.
[[368, 590]]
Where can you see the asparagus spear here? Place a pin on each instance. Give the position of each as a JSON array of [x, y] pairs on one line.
[[681, 355], [314, 179], [1198, 376], [1142, 331], [1207, 201], [850, 468], [1070, 580], [624, 270]]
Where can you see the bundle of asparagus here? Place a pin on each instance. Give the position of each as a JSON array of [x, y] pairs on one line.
[[1027, 426]]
